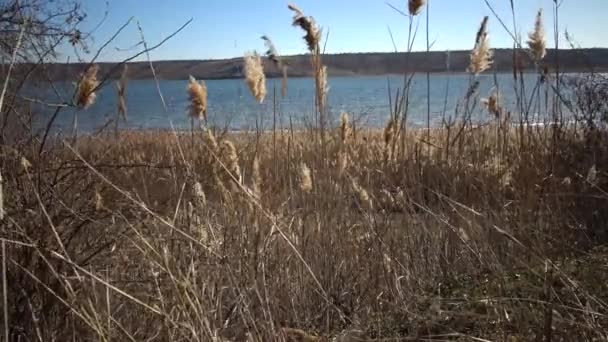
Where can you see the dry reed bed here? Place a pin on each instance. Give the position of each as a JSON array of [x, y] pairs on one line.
[[490, 232], [422, 244]]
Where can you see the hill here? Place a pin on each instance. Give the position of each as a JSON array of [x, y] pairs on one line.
[[576, 60]]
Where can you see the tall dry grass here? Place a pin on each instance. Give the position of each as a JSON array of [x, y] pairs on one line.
[[470, 232]]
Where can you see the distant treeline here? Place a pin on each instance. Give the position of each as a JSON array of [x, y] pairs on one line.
[[578, 60]]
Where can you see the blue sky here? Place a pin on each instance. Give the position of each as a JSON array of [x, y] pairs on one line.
[[228, 28]]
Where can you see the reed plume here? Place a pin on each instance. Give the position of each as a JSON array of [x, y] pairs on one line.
[[415, 6], [273, 55], [305, 178], [481, 55], [536, 41], [321, 87], [308, 24], [390, 132], [362, 195], [257, 178], [344, 127], [343, 161], [121, 87], [199, 194], [230, 159], [493, 104], [98, 201], [254, 76], [85, 95], [197, 92], [211, 141]]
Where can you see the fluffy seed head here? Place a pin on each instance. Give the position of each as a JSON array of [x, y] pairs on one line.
[[308, 24], [273, 55], [230, 158], [121, 87], [389, 131], [86, 95], [199, 194], [197, 92], [415, 6], [257, 178], [344, 127], [254, 76], [322, 87], [536, 41], [592, 176], [343, 160], [98, 201], [305, 178], [362, 195], [211, 141], [481, 55], [493, 104]]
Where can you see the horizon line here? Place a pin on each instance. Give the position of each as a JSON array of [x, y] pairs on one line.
[[325, 54]]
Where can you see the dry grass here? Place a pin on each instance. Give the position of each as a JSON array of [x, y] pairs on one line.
[[488, 232], [537, 42], [85, 95], [469, 234], [481, 55], [254, 76], [197, 92]]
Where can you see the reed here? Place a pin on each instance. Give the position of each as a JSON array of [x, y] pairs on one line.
[[197, 93], [305, 178], [537, 42], [274, 56], [481, 55], [254, 76], [85, 94], [415, 6], [308, 24]]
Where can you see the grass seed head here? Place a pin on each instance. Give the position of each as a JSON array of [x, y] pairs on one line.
[[536, 41], [415, 6], [85, 95], [481, 55], [493, 104], [257, 178], [305, 178], [254, 76], [230, 158], [344, 127], [197, 92], [308, 24], [121, 87]]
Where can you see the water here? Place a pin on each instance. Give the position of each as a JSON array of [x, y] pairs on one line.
[[231, 105]]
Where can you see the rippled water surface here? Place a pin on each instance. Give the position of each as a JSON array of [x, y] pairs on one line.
[[231, 105]]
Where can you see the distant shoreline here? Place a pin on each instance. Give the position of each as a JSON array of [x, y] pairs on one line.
[[353, 64]]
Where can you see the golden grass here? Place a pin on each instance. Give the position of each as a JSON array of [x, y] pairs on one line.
[[121, 88], [85, 95], [197, 92], [537, 42], [305, 178], [485, 232], [254, 76], [481, 55]]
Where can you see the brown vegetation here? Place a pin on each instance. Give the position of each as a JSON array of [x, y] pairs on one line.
[[470, 232]]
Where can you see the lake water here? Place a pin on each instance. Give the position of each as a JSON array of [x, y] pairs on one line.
[[231, 105]]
